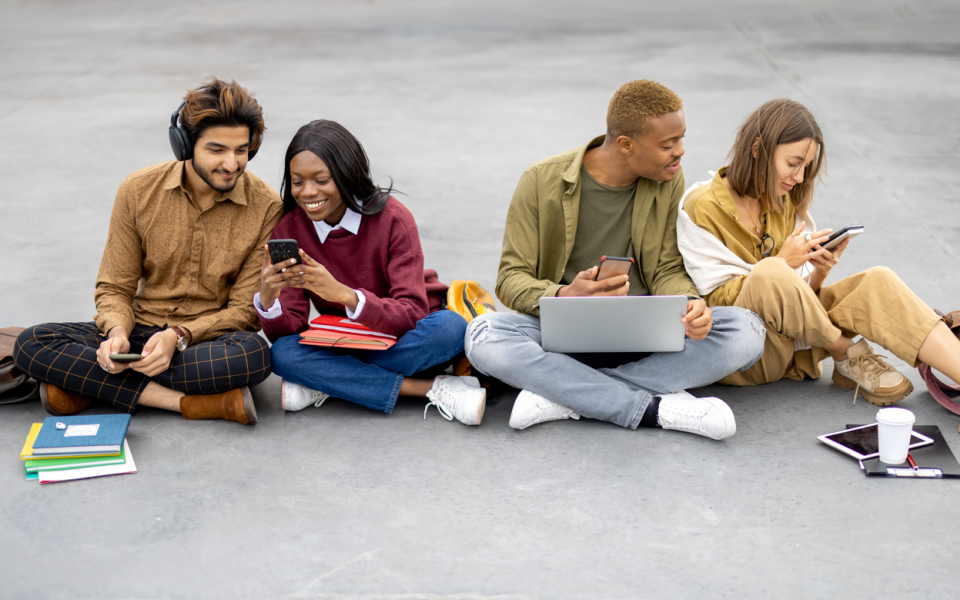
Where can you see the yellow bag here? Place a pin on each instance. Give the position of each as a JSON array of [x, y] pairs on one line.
[[468, 299]]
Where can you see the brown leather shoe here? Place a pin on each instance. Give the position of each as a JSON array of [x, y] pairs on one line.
[[61, 403], [235, 405]]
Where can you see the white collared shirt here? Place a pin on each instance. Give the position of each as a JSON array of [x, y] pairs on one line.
[[350, 222]]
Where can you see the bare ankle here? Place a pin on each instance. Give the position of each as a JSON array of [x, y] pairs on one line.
[[415, 387], [157, 396], [838, 349]]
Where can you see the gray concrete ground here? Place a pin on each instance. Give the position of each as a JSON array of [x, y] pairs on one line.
[[453, 100]]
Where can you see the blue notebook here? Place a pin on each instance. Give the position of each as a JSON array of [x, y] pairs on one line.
[[93, 434]]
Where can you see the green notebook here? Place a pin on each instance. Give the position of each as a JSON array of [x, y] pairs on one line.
[[79, 462]]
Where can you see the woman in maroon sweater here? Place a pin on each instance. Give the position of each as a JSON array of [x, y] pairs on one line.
[[361, 258]]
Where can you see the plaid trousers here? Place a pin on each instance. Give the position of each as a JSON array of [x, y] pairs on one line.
[[65, 354]]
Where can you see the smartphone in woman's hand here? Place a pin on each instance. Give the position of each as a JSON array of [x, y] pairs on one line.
[[837, 238], [283, 250]]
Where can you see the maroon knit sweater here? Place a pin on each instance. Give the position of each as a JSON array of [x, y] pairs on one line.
[[383, 260]]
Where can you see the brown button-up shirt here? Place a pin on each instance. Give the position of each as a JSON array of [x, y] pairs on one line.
[[168, 263]]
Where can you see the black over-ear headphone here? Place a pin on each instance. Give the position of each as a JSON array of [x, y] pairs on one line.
[[180, 141], [179, 138]]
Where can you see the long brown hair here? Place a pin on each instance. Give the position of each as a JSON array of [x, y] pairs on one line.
[[776, 122]]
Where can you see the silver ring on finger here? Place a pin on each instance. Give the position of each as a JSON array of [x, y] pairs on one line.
[[807, 237], [105, 368]]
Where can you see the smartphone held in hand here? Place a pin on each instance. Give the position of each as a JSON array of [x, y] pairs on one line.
[[611, 266], [837, 238], [125, 358], [283, 250]]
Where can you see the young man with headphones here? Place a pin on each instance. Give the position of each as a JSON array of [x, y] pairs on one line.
[[181, 262]]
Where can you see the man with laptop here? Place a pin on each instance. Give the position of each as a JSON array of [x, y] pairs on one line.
[[610, 348]]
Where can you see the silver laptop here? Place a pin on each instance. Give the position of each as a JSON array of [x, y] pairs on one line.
[[612, 323]]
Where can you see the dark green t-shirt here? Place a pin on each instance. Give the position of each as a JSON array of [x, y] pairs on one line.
[[603, 229]]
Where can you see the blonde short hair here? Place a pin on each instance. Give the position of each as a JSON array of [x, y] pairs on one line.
[[637, 101]]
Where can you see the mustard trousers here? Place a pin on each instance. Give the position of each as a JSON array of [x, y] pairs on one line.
[[875, 304]]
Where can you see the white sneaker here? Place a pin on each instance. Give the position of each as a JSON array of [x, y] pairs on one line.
[[530, 409], [709, 417], [460, 397], [296, 397]]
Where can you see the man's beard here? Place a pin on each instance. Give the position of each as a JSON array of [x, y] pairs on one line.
[[207, 178]]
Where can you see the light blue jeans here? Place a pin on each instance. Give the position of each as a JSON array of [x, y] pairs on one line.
[[508, 347]]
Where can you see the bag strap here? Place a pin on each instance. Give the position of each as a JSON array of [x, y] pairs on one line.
[[468, 303], [30, 390], [11, 380], [938, 389]]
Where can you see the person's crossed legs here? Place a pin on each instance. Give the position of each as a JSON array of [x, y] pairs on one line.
[[508, 347], [207, 380], [376, 378]]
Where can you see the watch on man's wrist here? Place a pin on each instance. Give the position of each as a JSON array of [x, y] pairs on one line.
[[182, 340]]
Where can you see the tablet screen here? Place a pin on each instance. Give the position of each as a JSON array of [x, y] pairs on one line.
[[864, 439]]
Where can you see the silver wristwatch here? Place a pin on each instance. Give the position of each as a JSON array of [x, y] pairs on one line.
[[182, 340]]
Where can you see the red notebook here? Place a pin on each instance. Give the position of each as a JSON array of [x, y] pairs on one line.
[[337, 331]]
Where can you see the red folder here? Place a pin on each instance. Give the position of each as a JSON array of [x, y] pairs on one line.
[[345, 325], [335, 331]]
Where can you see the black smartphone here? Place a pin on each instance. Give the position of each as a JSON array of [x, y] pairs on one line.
[[611, 266], [125, 358], [838, 236], [283, 250]]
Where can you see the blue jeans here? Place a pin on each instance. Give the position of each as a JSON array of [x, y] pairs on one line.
[[507, 346], [371, 378]]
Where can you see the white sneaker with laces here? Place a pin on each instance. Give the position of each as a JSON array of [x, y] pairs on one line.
[[530, 409], [296, 397], [709, 417], [457, 397]]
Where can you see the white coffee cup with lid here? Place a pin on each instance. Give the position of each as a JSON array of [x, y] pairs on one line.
[[895, 426]]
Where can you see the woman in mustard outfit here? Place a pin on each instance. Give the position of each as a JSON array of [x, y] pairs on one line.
[[747, 240]]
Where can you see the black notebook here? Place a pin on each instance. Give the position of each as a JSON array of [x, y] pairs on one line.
[[935, 461]]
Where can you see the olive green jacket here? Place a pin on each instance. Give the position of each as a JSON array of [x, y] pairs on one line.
[[542, 226]]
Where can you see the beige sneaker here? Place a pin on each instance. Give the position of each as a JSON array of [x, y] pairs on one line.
[[864, 371]]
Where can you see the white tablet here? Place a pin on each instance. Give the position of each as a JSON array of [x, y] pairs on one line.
[[862, 442]]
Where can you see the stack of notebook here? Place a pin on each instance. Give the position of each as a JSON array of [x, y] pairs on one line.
[[340, 332], [81, 447]]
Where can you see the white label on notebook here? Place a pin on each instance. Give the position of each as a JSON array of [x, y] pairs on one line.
[[82, 430]]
